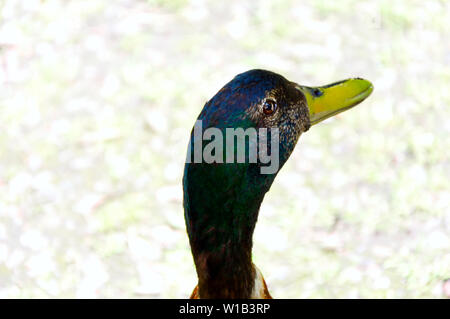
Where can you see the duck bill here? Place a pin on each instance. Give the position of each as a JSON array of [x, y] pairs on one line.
[[326, 101]]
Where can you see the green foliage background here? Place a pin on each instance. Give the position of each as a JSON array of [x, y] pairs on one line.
[[97, 100]]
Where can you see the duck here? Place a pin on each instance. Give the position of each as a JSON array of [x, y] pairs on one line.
[[222, 196]]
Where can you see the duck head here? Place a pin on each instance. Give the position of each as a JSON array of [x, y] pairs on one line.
[[222, 196]]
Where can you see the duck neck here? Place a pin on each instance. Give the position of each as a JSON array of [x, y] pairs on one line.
[[226, 272], [221, 214], [222, 252]]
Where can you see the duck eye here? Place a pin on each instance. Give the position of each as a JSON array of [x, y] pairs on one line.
[[317, 92], [269, 107]]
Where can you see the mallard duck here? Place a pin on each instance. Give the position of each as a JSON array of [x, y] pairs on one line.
[[222, 197]]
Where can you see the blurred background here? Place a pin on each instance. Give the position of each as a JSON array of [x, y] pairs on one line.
[[97, 100]]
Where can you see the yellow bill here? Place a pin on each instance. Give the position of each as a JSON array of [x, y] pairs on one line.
[[326, 101]]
